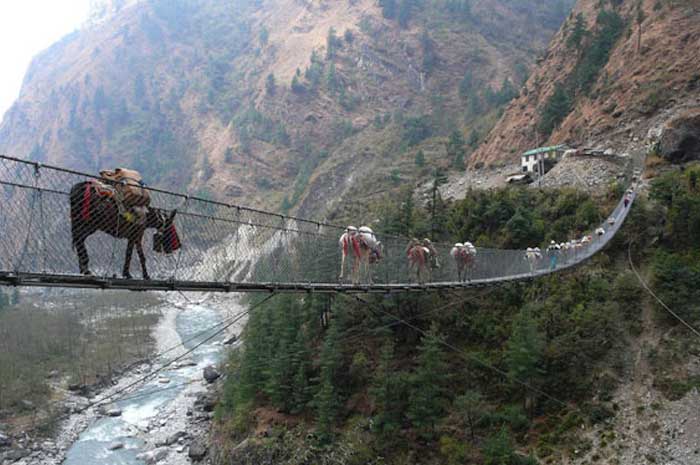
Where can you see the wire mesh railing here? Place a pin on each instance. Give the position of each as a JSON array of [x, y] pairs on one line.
[[57, 225]]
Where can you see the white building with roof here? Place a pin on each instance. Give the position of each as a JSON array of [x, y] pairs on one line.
[[531, 160]]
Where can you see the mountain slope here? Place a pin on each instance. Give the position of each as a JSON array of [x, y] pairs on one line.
[[614, 71], [198, 94]]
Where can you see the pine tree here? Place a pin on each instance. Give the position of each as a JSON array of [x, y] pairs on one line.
[[498, 449], [299, 365], [270, 86], [327, 400], [470, 406], [427, 398], [404, 15], [473, 139], [429, 55], [641, 16], [386, 391], [556, 109], [332, 43], [331, 79], [228, 155], [420, 159], [455, 149], [466, 84], [264, 36], [524, 352], [297, 86], [280, 369], [404, 221], [388, 8], [579, 32]]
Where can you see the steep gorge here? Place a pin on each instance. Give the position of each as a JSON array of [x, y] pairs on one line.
[[614, 71], [199, 95]]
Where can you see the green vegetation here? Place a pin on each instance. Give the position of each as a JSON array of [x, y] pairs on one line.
[[593, 53], [270, 85], [556, 109], [86, 343], [427, 388], [416, 129], [455, 149]]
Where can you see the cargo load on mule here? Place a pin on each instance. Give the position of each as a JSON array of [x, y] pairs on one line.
[[129, 187]]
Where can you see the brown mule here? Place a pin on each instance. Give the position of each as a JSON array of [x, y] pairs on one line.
[[92, 211]]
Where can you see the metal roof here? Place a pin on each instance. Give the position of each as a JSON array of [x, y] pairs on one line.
[[543, 150]]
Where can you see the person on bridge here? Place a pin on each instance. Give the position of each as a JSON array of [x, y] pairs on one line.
[[553, 251]]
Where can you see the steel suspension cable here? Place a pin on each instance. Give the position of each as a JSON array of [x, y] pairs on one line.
[[653, 294]]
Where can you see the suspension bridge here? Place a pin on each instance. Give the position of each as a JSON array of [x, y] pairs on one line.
[[228, 248]]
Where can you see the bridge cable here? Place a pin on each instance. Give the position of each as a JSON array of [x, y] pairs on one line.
[[526, 385], [651, 292], [31, 219]]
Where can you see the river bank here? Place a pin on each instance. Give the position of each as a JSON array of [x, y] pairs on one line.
[[164, 420]]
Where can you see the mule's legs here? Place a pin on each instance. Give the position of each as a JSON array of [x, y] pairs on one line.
[[127, 260], [342, 266], [369, 271], [356, 270], [142, 258], [83, 259]]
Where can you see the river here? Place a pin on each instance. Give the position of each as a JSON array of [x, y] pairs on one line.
[[157, 409]]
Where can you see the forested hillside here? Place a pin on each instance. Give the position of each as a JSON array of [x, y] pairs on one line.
[[278, 102], [522, 374]]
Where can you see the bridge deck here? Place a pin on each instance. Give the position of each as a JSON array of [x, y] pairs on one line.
[[225, 248]]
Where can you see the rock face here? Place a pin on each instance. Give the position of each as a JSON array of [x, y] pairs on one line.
[[121, 92], [633, 87], [680, 139]]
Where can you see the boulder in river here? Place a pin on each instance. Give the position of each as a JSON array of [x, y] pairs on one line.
[[211, 374], [198, 450], [114, 412], [5, 441], [154, 456], [175, 437], [116, 446]]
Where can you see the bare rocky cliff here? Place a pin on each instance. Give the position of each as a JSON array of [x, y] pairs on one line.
[[608, 94], [278, 103]]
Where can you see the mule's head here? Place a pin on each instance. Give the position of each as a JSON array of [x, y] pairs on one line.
[[166, 239], [377, 253]]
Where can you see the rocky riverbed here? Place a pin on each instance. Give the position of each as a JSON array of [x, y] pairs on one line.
[[162, 420]]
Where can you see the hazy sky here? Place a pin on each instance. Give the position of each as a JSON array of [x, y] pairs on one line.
[[26, 28]]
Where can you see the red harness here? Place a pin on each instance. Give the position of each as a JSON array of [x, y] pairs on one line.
[[416, 254], [351, 241]]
